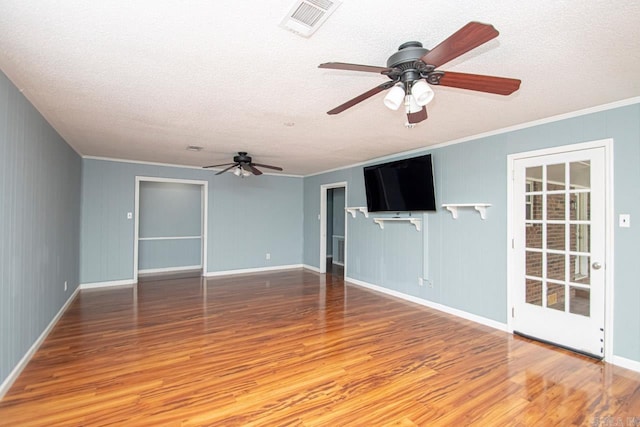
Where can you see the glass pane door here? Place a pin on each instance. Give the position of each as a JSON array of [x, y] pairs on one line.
[[558, 243]]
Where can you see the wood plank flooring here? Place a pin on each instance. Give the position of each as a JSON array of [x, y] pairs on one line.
[[300, 348]]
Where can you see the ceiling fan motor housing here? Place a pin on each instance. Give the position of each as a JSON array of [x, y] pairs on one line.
[[242, 157], [407, 54], [408, 61]]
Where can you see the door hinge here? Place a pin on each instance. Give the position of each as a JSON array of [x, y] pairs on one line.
[[513, 244], [513, 312]]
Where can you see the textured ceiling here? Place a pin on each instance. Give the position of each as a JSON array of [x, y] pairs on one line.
[[142, 80]]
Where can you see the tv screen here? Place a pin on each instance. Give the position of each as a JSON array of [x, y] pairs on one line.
[[402, 185]]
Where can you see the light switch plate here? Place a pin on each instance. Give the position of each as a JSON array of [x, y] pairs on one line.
[[624, 221]]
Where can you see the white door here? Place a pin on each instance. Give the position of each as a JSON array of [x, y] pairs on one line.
[[559, 249]]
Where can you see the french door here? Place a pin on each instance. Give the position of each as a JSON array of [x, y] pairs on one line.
[[559, 229]]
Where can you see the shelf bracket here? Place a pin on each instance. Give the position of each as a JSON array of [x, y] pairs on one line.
[[482, 210], [355, 210], [453, 209]]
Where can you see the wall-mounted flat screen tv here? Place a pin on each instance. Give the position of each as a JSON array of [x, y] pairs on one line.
[[402, 185]]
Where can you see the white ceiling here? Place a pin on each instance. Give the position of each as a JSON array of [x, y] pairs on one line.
[[142, 80]]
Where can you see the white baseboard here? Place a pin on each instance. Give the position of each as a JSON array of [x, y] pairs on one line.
[[251, 270], [17, 370], [170, 269], [97, 285], [623, 362], [436, 306], [311, 267]]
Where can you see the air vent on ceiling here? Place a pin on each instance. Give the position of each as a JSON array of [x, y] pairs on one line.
[[306, 16]]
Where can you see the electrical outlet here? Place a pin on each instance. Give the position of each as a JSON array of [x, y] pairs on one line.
[[129, 215], [65, 286], [430, 284], [267, 256], [420, 281]]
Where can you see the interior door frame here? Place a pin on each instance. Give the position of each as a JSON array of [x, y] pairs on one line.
[[607, 144], [204, 188], [323, 224]]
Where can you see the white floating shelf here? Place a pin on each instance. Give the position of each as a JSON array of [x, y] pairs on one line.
[[480, 207], [415, 221], [354, 210]]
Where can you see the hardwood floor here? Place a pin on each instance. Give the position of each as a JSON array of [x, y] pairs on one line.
[[299, 348]]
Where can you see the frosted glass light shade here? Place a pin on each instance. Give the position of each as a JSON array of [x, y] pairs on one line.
[[411, 105], [394, 98], [422, 92]]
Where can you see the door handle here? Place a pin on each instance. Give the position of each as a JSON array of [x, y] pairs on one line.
[[596, 266]]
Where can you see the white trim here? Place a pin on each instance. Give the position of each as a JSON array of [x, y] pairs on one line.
[[609, 216], [169, 269], [551, 119], [323, 223], [170, 180], [251, 270], [430, 304], [338, 263], [607, 145], [172, 165], [623, 362], [204, 202], [113, 283], [169, 238], [311, 267], [17, 370]]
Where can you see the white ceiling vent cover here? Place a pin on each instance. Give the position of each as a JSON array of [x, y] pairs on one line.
[[306, 16]]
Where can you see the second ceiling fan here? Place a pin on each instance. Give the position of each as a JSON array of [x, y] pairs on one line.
[[243, 165], [413, 68]]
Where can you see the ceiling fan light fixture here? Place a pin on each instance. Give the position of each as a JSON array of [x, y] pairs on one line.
[[422, 92], [394, 98], [411, 105]]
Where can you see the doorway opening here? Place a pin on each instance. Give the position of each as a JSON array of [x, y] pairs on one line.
[[170, 228], [333, 228]]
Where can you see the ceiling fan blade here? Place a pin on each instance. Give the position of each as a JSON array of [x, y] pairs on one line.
[[268, 166], [418, 117], [215, 166], [361, 97], [250, 167], [355, 67], [230, 167], [490, 84], [462, 41]]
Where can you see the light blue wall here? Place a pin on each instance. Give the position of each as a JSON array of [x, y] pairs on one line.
[[39, 224], [247, 218], [165, 254], [169, 209], [465, 259]]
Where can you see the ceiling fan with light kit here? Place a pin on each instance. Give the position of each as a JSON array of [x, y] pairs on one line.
[[243, 166], [412, 69]]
